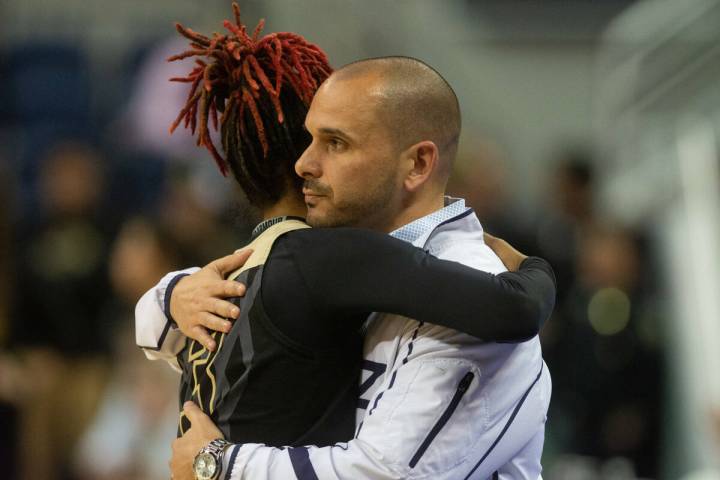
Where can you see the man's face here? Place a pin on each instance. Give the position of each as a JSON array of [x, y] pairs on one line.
[[351, 167]]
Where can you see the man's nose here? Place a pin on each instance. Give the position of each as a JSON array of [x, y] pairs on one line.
[[308, 165]]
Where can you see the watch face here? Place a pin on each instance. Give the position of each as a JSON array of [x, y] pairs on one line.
[[205, 466]]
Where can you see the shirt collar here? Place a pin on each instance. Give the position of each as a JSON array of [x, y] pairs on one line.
[[425, 225]]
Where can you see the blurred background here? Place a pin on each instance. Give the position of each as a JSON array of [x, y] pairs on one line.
[[590, 138]]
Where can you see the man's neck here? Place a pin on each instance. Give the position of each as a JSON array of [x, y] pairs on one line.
[[415, 210]]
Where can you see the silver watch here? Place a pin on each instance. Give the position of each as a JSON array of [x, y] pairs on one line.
[[208, 462]]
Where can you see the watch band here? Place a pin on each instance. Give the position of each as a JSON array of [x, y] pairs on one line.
[[217, 446]]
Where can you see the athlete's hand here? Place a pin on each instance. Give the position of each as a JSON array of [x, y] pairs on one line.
[[184, 449], [510, 257], [198, 301]]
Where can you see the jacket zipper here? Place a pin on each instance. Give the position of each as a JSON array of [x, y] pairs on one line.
[[459, 393]]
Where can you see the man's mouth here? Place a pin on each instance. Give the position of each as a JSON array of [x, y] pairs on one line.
[[310, 193]]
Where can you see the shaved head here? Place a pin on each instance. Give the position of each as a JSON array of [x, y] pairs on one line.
[[414, 102]]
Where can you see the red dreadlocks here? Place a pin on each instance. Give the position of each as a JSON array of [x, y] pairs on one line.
[[238, 71]]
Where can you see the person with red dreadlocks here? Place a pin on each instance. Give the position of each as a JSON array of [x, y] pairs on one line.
[[286, 373]]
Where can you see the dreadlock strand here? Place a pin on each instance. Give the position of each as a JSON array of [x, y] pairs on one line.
[[186, 54], [248, 75], [292, 79], [207, 84], [262, 76], [214, 115], [236, 13], [274, 95], [250, 101], [192, 115], [191, 35], [219, 160], [183, 112], [275, 56], [228, 109], [238, 32], [258, 29]]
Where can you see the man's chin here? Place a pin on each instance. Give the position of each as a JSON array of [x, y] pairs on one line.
[[318, 221], [318, 218]]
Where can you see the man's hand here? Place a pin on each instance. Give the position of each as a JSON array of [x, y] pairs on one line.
[[510, 257], [184, 449], [197, 301]]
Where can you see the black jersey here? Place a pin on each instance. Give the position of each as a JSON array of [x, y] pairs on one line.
[[287, 372]]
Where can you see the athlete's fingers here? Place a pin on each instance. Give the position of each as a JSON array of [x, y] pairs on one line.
[[200, 334], [213, 322], [229, 263], [510, 257], [225, 289]]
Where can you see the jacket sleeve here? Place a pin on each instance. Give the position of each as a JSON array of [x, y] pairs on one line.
[[353, 460], [155, 333]]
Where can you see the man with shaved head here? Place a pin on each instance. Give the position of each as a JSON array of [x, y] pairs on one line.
[[393, 116], [434, 403]]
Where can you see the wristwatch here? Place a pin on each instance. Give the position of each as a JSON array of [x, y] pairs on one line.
[[208, 462]]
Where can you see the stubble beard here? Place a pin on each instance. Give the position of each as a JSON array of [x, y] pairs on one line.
[[367, 209]]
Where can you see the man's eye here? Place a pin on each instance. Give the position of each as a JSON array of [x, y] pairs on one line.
[[335, 144]]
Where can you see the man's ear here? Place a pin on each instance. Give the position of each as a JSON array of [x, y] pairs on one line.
[[422, 158]]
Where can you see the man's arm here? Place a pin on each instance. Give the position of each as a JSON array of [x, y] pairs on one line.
[[353, 460], [193, 289], [154, 332], [422, 428]]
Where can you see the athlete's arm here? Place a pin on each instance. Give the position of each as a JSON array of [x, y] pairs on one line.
[[354, 270]]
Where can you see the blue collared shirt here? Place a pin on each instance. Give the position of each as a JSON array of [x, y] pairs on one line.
[[424, 225]]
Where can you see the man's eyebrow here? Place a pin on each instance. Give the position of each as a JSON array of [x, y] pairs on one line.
[[334, 131]]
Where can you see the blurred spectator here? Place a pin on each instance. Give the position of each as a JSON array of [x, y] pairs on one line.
[[605, 356], [130, 436], [63, 253], [202, 233], [559, 228], [481, 178], [58, 324], [603, 342], [6, 205], [8, 412], [143, 252], [571, 209]]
